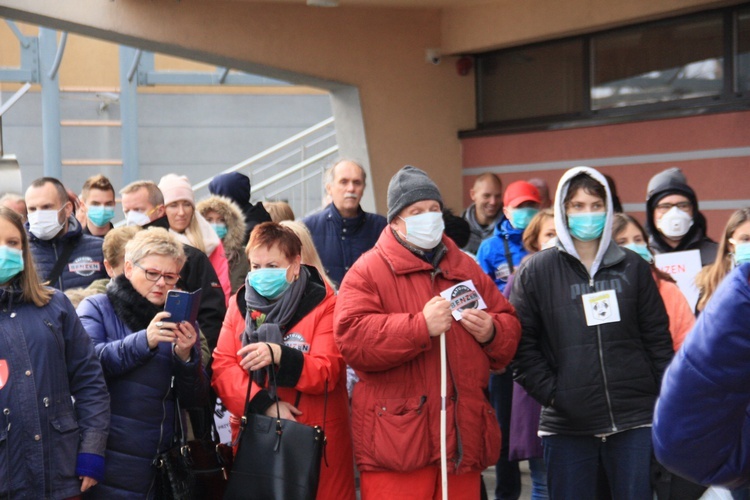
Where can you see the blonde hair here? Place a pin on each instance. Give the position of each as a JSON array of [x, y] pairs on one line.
[[154, 241], [279, 210], [309, 253], [113, 247], [32, 291], [194, 234], [710, 277], [531, 233]]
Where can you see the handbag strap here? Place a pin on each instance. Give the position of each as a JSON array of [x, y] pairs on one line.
[[179, 431], [508, 255], [62, 259]]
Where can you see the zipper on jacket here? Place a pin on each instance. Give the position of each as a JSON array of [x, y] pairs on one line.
[[6, 414], [601, 365], [59, 280], [54, 334]]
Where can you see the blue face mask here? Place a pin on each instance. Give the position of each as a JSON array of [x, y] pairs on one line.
[[741, 252], [269, 282], [11, 263], [642, 250], [100, 215], [520, 217], [587, 226], [220, 228]]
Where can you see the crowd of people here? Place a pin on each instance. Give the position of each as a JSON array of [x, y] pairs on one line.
[[556, 323]]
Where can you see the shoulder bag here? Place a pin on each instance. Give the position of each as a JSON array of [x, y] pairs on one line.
[[276, 458]]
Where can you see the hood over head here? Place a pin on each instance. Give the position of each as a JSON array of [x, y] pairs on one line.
[[235, 186], [665, 183], [235, 221], [564, 239]]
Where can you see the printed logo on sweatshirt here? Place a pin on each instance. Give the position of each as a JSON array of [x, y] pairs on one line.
[[84, 266], [4, 373], [296, 341]]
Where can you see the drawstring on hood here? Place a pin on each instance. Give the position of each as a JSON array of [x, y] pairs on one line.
[[565, 240]]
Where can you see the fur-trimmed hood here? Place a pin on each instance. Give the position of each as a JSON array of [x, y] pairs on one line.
[[233, 241]]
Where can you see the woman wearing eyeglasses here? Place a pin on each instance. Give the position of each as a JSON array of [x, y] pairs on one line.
[[141, 352]]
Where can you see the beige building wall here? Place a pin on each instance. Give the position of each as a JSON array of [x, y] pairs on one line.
[[411, 109]]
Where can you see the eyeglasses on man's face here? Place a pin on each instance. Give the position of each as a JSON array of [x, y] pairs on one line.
[[666, 207]]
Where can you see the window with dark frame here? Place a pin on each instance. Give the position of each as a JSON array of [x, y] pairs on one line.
[[688, 65]]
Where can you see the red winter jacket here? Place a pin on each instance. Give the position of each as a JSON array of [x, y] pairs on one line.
[[382, 333], [313, 335]]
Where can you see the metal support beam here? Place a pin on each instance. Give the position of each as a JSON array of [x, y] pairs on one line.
[[148, 75], [50, 103], [29, 68], [129, 59]]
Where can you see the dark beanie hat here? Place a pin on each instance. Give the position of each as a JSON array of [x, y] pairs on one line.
[[408, 186]]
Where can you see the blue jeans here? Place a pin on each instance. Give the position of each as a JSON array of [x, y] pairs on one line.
[[573, 463], [538, 479]]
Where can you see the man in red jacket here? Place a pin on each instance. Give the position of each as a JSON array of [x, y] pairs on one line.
[[388, 321]]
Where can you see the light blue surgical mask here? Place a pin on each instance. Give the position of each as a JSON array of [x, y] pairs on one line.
[[100, 215], [11, 263], [270, 282], [520, 217], [220, 229], [587, 226], [741, 251], [642, 250]]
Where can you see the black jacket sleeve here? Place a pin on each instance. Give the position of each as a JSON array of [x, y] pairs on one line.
[[199, 273], [531, 368], [653, 322]]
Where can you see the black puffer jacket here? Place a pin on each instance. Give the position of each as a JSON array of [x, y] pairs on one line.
[[591, 379]]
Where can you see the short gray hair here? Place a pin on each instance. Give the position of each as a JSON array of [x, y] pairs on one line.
[[154, 241], [328, 176]]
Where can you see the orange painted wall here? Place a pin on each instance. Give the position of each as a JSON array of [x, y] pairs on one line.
[[721, 177]]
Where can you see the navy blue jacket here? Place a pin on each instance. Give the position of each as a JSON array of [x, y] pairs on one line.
[[340, 241], [702, 418], [139, 379], [491, 254], [45, 358], [85, 264]]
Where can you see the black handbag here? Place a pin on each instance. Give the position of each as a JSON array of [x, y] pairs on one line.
[[211, 464], [174, 475], [276, 458]]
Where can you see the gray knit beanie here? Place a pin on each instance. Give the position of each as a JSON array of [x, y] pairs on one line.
[[408, 186]]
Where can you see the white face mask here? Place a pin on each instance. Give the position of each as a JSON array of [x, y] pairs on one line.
[[45, 224], [675, 223], [135, 218], [424, 230]]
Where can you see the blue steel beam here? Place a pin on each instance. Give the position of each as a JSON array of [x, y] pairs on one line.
[[52, 148], [129, 58]]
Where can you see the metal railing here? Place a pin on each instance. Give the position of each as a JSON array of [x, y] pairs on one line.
[[298, 161]]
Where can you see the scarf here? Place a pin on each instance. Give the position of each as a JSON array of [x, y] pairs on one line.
[[131, 307], [276, 316]]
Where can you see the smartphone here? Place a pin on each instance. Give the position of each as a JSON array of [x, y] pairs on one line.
[[183, 306]]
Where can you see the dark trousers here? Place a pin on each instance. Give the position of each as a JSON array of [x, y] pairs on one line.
[[574, 462], [507, 474]]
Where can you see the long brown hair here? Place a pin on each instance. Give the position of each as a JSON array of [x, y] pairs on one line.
[[709, 277], [619, 222], [32, 291]]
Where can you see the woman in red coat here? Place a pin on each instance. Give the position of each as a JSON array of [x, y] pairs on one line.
[[286, 307]]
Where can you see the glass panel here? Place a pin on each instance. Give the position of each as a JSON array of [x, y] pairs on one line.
[[535, 81], [743, 50], [665, 62]]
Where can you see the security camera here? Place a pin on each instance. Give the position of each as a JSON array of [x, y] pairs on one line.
[[433, 56]]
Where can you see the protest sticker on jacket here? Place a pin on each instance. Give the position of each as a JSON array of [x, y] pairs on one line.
[[601, 307], [3, 373], [463, 296]]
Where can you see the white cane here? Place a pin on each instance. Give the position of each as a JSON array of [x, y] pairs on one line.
[[443, 414]]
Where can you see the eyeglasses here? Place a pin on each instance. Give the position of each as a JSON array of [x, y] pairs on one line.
[[666, 207], [151, 275]]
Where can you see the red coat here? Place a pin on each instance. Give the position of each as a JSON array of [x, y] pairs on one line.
[[382, 334], [322, 361]]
